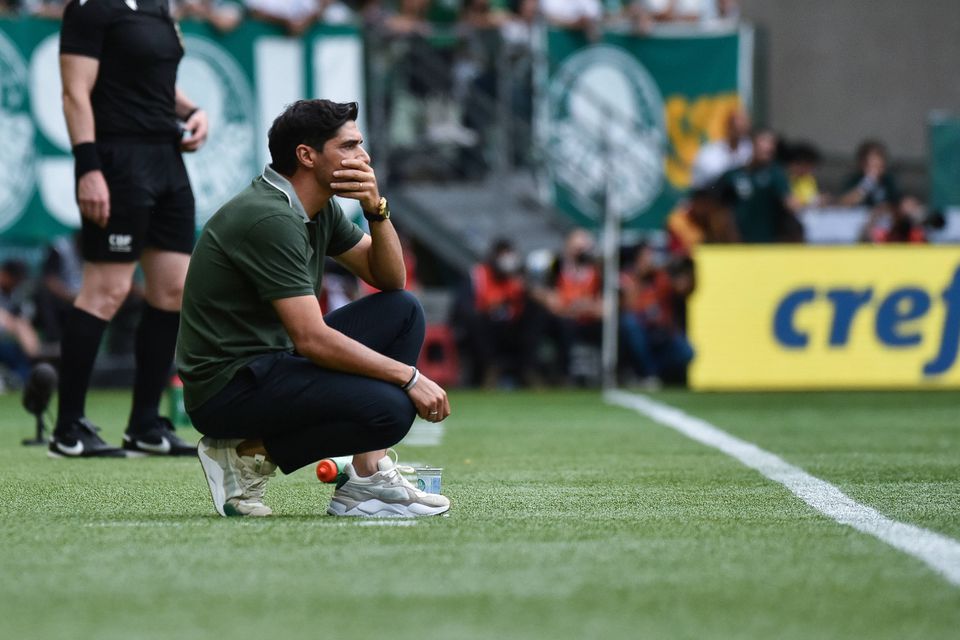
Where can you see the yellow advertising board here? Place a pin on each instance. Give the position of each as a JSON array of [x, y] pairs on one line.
[[797, 317]]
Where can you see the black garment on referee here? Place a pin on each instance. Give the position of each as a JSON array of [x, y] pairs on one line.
[[139, 51]]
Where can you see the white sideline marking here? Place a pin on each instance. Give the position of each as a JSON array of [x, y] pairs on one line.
[[386, 523], [940, 553], [143, 523], [424, 434]]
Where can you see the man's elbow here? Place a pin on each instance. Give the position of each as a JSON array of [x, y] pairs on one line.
[[389, 279], [73, 99], [393, 284]]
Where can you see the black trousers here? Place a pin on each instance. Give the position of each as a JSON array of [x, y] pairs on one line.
[[303, 412]]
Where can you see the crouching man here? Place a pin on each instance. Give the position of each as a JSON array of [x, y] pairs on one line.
[[269, 380]]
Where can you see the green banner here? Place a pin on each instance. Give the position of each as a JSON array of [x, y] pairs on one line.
[[625, 117], [945, 162], [242, 79]]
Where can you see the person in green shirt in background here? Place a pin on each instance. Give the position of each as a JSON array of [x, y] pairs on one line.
[[765, 211]]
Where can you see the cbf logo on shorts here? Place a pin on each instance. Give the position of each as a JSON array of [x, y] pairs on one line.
[[120, 243], [16, 136], [225, 164], [606, 124]]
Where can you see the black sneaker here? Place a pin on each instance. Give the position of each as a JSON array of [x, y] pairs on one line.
[[158, 439], [80, 440]]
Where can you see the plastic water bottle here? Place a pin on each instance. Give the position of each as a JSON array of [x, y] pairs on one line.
[[178, 412], [329, 469]]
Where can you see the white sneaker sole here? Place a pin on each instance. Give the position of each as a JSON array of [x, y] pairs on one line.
[[377, 509], [256, 511], [213, 464]]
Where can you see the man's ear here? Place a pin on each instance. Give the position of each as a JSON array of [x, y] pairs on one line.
[[305, 155]]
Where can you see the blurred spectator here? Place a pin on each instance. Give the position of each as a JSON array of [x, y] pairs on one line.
[[295, 16], [765, 210], [60, 281], [728, 9], [372, 13], [639, 19], [520, 23], [706, 217], [681, 10], [476, 83], [580, 15], [901, 223], [717, 157], [481, 14], [410, 19], [223, 15], [570, 301], [19, 343], [519, 36], [491, 318], [802, 160], [52, 9], [872, 185], [656, 347]]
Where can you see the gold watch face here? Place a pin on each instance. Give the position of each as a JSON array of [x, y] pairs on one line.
[[383, 209]]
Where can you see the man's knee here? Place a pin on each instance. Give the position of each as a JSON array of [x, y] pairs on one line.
[[167, 296], [102, 297], [403, 303]]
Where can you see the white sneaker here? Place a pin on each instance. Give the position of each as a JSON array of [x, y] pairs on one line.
[[384, 494], [237, 483]]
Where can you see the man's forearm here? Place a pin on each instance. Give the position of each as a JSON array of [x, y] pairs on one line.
[[78, 112], [386, 256], [334, 350]]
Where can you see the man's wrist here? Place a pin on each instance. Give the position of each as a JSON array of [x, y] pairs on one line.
[[379, 213], [85, 159], [412, 382]]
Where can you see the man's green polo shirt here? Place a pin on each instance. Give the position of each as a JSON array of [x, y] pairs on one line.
[[259, 247]]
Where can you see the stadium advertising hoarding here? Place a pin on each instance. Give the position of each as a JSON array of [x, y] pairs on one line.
[[782, 318], [633, 112], [242, 79]]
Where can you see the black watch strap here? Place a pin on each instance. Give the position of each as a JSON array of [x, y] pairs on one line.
[[382, 213]]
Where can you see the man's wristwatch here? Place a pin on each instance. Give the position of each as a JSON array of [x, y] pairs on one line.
[[381, 213]]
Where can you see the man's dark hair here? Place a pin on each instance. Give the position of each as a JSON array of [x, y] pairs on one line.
[[309, 122]]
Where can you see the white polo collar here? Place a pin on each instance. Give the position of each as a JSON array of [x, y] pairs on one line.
[[280, 183]]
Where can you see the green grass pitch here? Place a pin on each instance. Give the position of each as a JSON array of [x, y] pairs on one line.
[[571, 519]]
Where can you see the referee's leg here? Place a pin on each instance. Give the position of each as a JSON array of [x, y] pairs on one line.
[[104, 287]]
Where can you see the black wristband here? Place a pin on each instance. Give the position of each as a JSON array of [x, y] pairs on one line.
[[85, 159]]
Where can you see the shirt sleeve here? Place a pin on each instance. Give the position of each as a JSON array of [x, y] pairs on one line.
[[83, 27], [274, 255], [344, 234]]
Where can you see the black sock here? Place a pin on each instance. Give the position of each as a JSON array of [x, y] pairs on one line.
[[82, 333], [156, 342]]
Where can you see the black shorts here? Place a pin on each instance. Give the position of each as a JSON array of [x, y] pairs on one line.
[[151, 203]]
